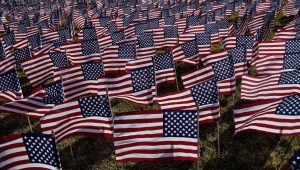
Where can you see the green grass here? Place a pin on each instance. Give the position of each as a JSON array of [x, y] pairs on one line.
[[243, 151]]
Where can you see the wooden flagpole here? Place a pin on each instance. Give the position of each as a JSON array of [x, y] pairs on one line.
[[29, 124], [198, 140], [218, 136]]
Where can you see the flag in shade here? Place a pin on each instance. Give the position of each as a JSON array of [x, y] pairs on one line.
[[80, 80], [21, 55], [205, 95], [89, 33], [41, 67], [10, 88], [293, 163], [270, 86], [88, 116], [137, 86], [35, 40], [29, 151], [34, 106], [187, 52], [274, 116], [156, 135], [9, 38]]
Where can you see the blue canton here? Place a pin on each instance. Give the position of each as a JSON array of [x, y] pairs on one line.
[[35, 40], [55, 93], [203, 38], [292, 46], [139, 28], [291, 77], [205, 93], [104, 21], [92, 70], [59, 59], [211, 28], [192, 20], [202, 19], [89, 33], [222, 24], [180, 123], [127, 51], [238, 54], [2, 51], [223, 69], [127, 21], [21, 55], [9, 81], [289, 106], [44, 24], [90, 47], [211, 17], [22, 29], [41, 148], [146, 40], [117, 36], [170, 20], [163, 61], [9, 38], [145, 14], [291, 61], [171, 32], [142, 79], [244, 40], [112, 27], [297, 35], [95, 106], [294, 161], [165, 13], [190, 49], [153, 23]]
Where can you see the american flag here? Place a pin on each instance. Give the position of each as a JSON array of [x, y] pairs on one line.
[[159, 135], [10, 88], [82, 51], [41, 67], [223, 66], [274, 116], [286, 35], [137, 86], [7, 59], [166, 36], [29, 151], [204, 43], [270, 86], [293, 163], [21, 55], [238, 56], [115, 57], [35, 41], [88, 116], [187, 52], [278, 55], [33, 106], [197, 76], [80, 80], [146, 45], [205, 95], [212, 29]]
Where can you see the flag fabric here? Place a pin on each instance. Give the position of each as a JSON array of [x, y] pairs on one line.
[[137, 86], [187, 52], [205, 95], [293, 162], [41, 67], [158, 135], [88, 116], [21, 55], [29, 151], [10, 88], [274, 116], [239, 58], [270, 86], [80, 80]]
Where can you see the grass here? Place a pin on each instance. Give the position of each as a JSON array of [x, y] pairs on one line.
[[243, 151]]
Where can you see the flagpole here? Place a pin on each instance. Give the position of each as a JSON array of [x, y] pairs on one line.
[[175, 71], [29, 124], [198, 140], [218, 136]]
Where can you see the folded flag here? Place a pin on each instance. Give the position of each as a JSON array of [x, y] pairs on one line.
[[29, 151], [88, 116], [274, 116], [156, 135]]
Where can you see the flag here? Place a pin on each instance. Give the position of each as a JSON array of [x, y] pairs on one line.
[[21, 55], [146, 45], [166, 36], [10, 88], [286, 35], [205, 95], [115, 57], [274, 116], [35, 41], [82, 51], [7, 59], [29, 151], [293, 162], [156, 135], [187, 52], [239, 58], [80, 80], [137, 86], [270, 86], [88, 116]]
